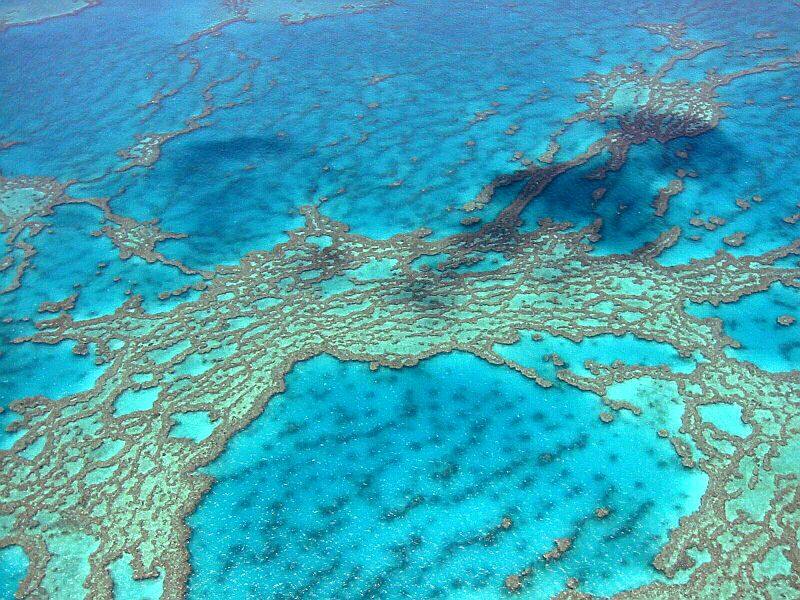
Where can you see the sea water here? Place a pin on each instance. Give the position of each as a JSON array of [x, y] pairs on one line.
[[393, 483], [395, 480]]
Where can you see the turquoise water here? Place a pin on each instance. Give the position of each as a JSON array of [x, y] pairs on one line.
[[753, 322], [304, 131], [395, 482], [13, 565]]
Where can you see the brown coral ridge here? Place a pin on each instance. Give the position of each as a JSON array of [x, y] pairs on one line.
[[64, 305], [5, 144], [140, 238], [25, 201], [663, 111], [345, 9], [561, 545], [269, 312], [661, 203], [748, 518], [147, 147], [243, 8]]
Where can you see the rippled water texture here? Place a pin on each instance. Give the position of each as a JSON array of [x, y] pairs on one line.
[[353, 482], [399, 299]]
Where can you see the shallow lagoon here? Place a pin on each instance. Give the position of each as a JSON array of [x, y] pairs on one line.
[[396, 483]]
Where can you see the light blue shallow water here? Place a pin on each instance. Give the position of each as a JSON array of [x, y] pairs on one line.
[[754, 323], [13, 564], [394, 484]]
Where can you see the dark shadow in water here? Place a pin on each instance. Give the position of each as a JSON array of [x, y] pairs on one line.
[[632, 185], [244, 148]]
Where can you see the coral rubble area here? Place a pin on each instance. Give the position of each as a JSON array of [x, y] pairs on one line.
[[399, 299]]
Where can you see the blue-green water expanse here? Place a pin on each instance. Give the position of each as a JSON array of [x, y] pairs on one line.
[[422, 516], [399, 299]]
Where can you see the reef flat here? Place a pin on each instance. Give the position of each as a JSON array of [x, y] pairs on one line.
[[16, 13], [300, 12], [557, 284], [259, 318]]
